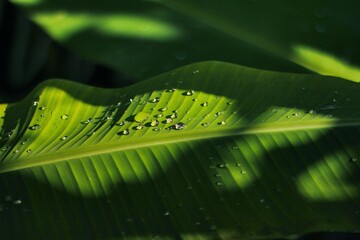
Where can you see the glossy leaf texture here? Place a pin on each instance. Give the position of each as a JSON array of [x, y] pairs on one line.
[[211, 150]]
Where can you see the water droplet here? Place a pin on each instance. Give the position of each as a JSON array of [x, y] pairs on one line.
[[212, 166], [156, 129], [16, 151], [262, 200], [218, 175], [353, 160], [205, 104], [35, 103], [171, 90], [174, 115], [296, 114], [17, 202], [42, 108], [154, 123], [164, 109], [124, 132], [238, 165], [195, 99], [218, 114], [63, 138], [29, 151], [234, 147], [179, 126], [122, 123], [34, 127], [222, 123], [219, 183], [223, 165], [196, 71], [42, 115], [230, 103], [64, 117], [242, 172], [189, 93], [90, 134], [159, 115], [139, 127], [141, 117], [205, 124], [154, 100], [166, 213], [89, 120], [312, 111], [169, 120]]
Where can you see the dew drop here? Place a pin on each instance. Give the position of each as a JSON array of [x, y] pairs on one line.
[[29, 151], [173, 116], [159, 115], [42, 108], [154, 100], [171, 90], [223, 165], [122, 123], [64, 117], [195, 99], [205, 104], [139, 127], [230, 103], [312, 111], [167, 213], [353, 160], [222, 123], [205, 124], [17, 202], [234, 147], [218, 114], [156, 129], [89, 120], [238, 165], [35, 103], [169, 120], [179, 126], [218, 175], [164, 109], [154, 123], [34, 127], [196, 71], [42, 115], [63, 138], [124, 132], [141, 117], [90, 134], [242, 172], [219, 183], [189, 93]]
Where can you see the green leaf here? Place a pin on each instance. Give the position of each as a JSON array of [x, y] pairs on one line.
[[144, 38], [141, 38], [223, 151], [313, 34]]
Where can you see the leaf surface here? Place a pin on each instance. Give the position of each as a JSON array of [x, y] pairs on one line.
[[210, 150]]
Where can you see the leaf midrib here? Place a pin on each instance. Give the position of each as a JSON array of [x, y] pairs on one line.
[[174, 137]]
